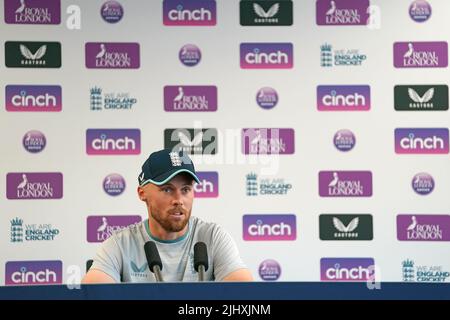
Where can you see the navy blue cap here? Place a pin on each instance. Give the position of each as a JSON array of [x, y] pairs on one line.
[[161, 166]]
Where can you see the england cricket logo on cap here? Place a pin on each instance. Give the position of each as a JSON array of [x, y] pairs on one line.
[[175, 158]]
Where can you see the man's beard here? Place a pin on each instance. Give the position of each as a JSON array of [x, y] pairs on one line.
[[170, 225]]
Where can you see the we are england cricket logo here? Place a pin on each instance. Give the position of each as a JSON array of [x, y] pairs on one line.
[[21, 232], [266, 186]]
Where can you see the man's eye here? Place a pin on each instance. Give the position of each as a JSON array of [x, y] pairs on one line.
[[186, 189], [167, 190]]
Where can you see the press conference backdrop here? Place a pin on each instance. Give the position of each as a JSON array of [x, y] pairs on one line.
[[320, 130]]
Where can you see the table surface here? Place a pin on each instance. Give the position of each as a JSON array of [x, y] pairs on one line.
[[232, 291]]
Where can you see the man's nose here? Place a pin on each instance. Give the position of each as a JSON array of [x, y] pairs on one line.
[[177, 198]]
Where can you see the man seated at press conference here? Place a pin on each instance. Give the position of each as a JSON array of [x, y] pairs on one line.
[[171, 245]]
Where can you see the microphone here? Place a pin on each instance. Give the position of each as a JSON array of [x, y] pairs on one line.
[[200, 260], [153, 259]]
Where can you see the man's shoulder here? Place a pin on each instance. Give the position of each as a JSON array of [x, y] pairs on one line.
[[208, 229], [130, 233]]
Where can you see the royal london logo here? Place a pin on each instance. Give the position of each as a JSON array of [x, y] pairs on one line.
[[276, 186], [341, 57], [33, 12], [342, 12], [112, 55], [110, 101], [421, 54], [21, 232]]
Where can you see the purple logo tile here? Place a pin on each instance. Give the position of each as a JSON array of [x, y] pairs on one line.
[[189, 13], [347, 269], [100, 228], [33, 98], [423, 227], [269, 270], [111, 11], [30, 185], [33, 12], [420, 11], [345, 183], [343, 98], [190, 98], [34, 141], [421, 54], [190, 55], [19, 273], [269, 227], [342, 12], [267, 98], [112, 55], [114, 184], [421, 141], [268, 141], [209, 185], [423, 183], [267, 55], [113, 141], [344, 140]]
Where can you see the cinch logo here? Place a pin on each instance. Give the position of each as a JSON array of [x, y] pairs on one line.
[[267, 55], [190, 98], [32, 54], [112, 55], [269, 227], [191, 141], [33, 272], [33, 98], [347, 269], [100, 228], [189, 12], [209, 185], [28, 186], [346, 227], [345, 183], [33, 12], [342, 12], [268, 141], [423, 227], [343, 98], [266, 13], [421, 54], [421, 141], [113, 141], [421, 97]]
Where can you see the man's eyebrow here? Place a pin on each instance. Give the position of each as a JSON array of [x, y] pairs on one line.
[[165, 185]]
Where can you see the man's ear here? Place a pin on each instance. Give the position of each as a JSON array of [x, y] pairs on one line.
[[141, 193]]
